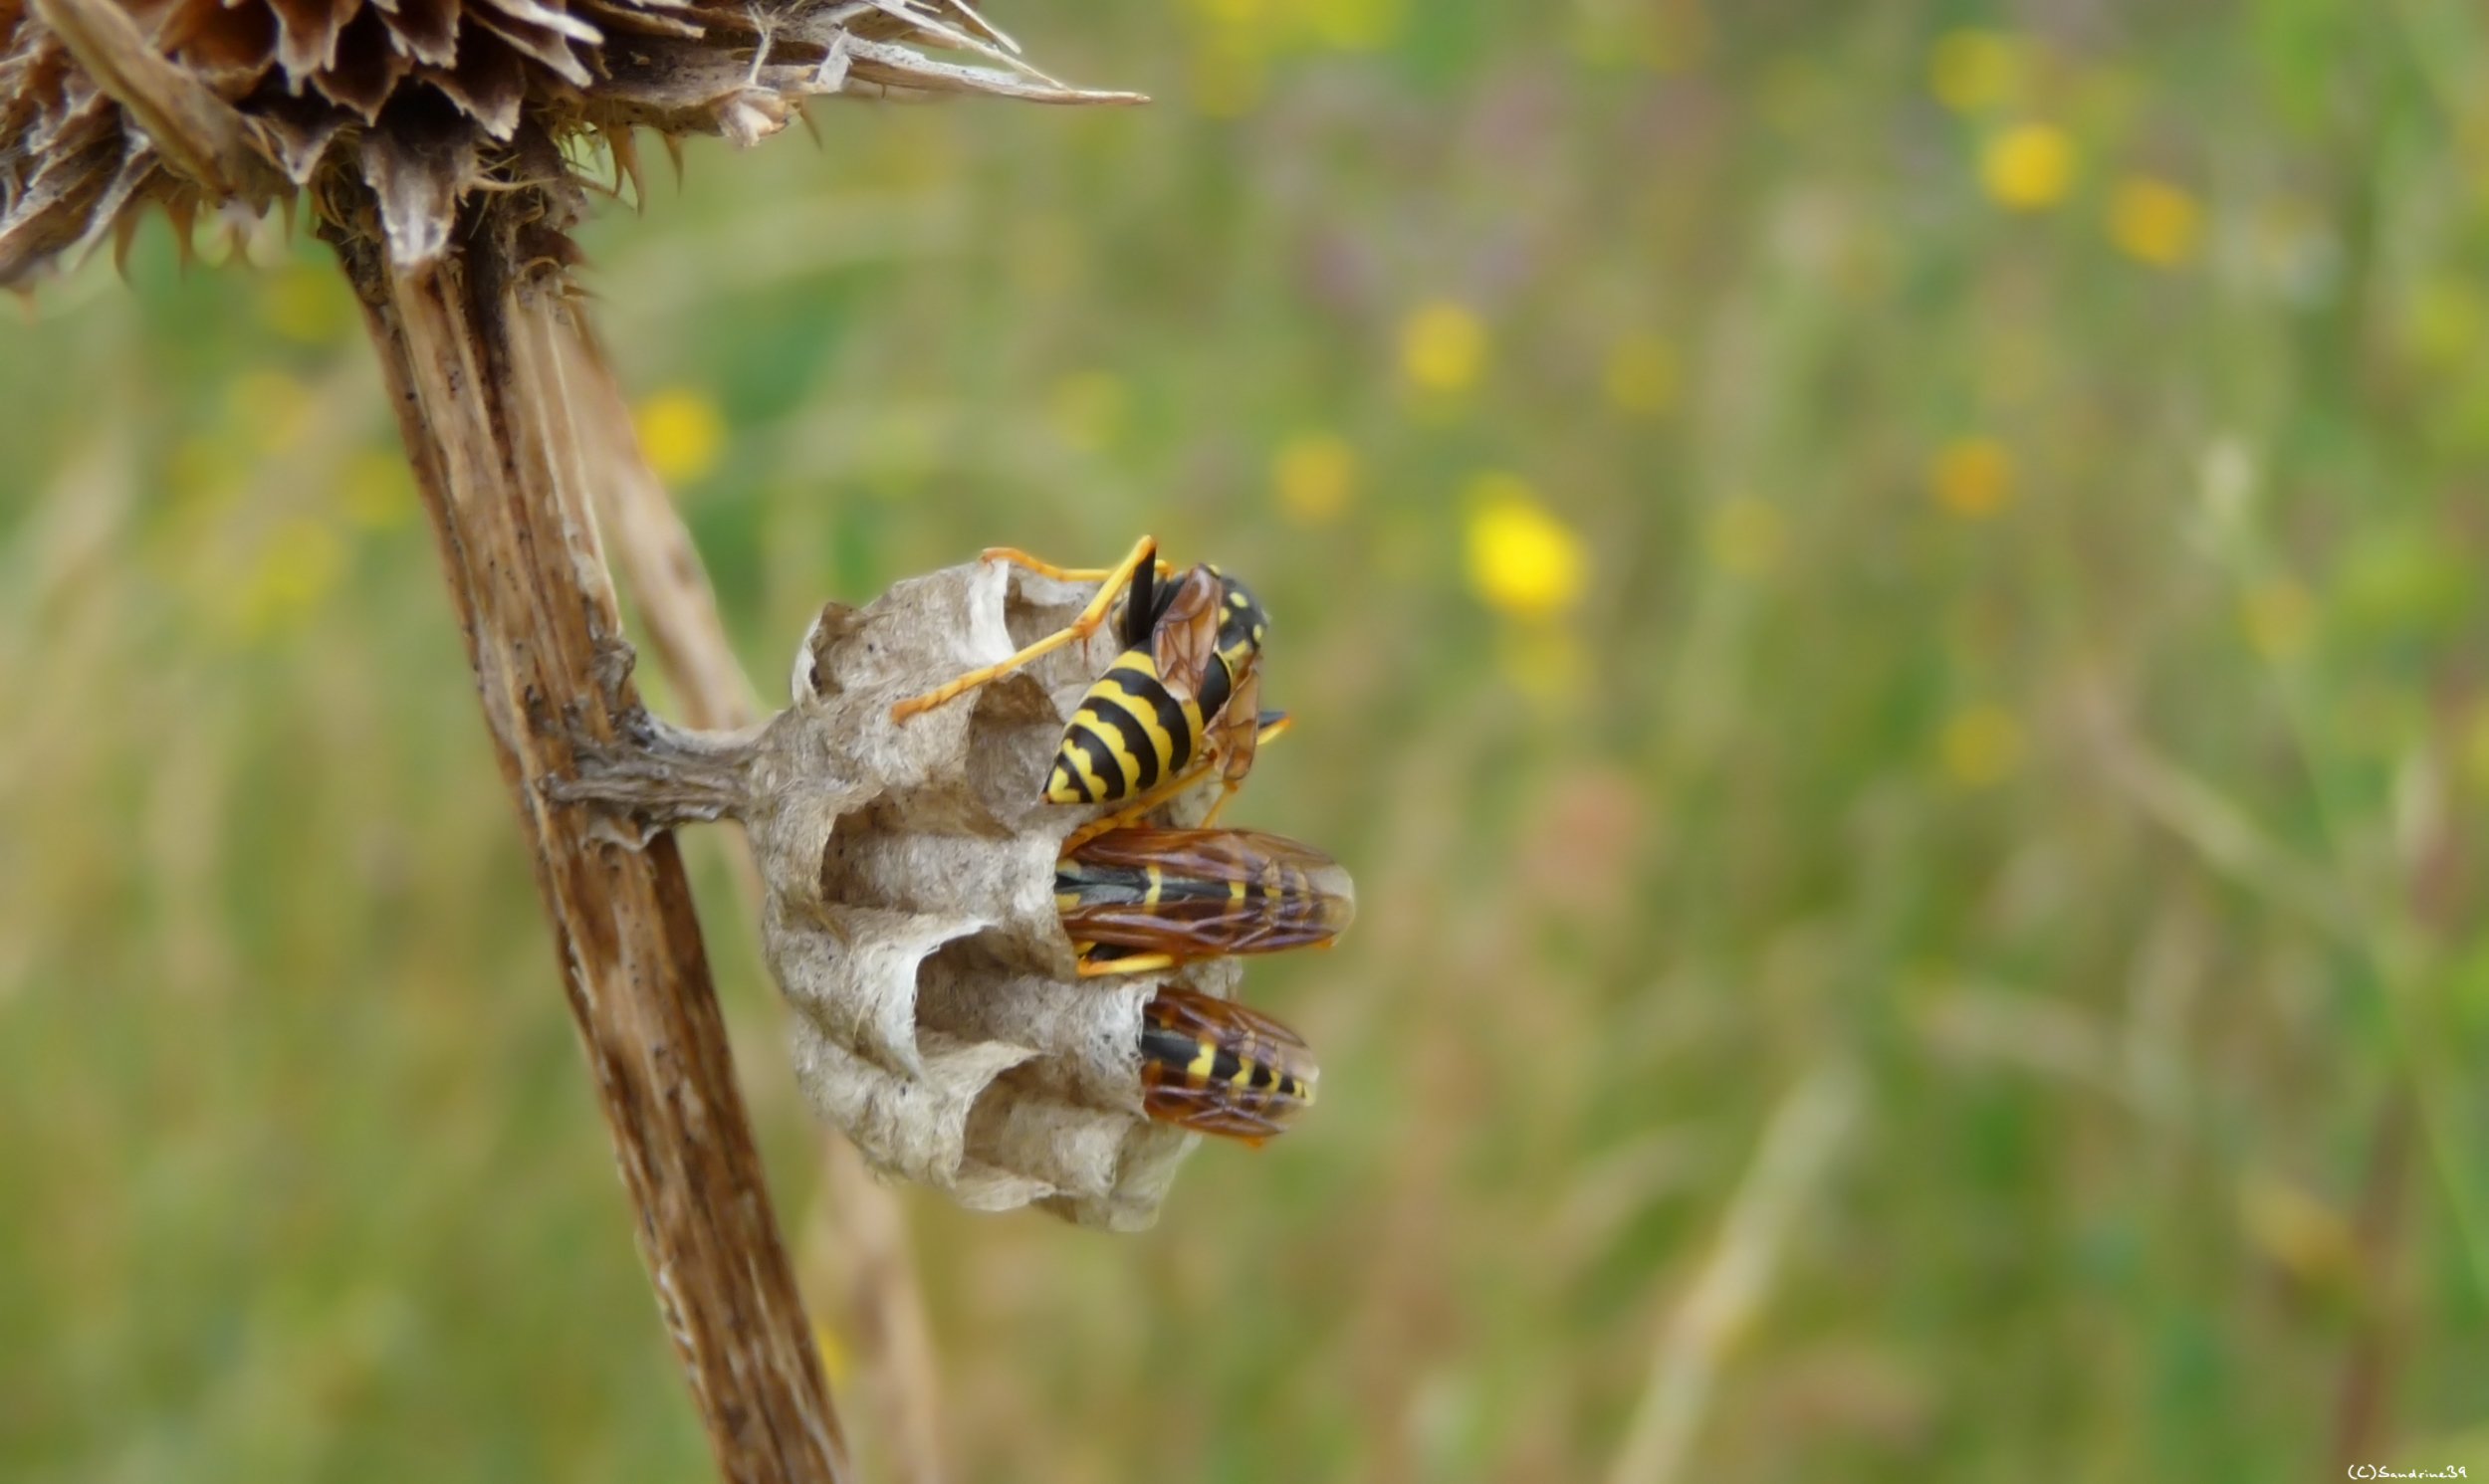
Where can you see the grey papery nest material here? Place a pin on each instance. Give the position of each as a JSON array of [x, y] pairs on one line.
[[910, 913], [109, 106]]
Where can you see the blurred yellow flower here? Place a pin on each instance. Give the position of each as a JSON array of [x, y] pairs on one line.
[[298, 567], [273, 408], [376, 489], [836, 1364], [682, 433], [204, 471], [1972, 478], [1642, 375], [1442, 348], [1226, 74], [1745, 536], [1088, 409], [2301, 1235], [2443, 322], [1981, 745], [1314, 476], [2279, 618], [2029, 167], [303, 303], [1546, 663], [1970, 71], [1523, 560], [2476, 748], [2154, 222], [1350, 25]]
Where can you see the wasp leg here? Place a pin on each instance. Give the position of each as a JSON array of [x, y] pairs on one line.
[[1137, 963], [1114, 582], [1273, 722], [1044, 568]]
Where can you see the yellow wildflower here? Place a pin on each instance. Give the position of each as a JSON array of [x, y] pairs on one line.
[[2029, 167], [1315, 474], [2444, 321], [273, 408], [1523, 560], [1547, 663], [1972, 478], [682, 433], [1442, 348], [1981, 745], [376, 489], [302, 302], [205, 471], [1088, 409], [1745, 536], [837, 1363], [2306, 1238], [1642, 375], [2279, 617], [2476, 748], [1970, 71], [1227, 77], [296, 569], [1350, 25], [2153, 221]]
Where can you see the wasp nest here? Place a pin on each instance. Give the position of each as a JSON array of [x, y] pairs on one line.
[[108, 106], [910, 912]]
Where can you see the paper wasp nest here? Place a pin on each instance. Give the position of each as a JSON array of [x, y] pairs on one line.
[[910, 913]]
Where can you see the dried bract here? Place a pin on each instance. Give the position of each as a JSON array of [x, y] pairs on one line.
[[109, 106], [911, 916]]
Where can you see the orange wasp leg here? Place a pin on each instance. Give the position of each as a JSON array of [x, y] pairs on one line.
[[1044, 568], [1192, 775], [1112, 582], [1137, 963]]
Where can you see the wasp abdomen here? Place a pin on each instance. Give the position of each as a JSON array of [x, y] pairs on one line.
[[1127, 733], [1216, 1067]]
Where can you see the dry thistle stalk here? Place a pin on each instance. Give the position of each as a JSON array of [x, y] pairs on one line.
[[910, 912], [439, 144]]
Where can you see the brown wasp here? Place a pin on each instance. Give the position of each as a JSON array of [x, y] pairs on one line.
[[1138, 900], [1216, 1067]]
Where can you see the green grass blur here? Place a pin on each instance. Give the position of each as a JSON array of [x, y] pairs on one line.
[[1936, 541]]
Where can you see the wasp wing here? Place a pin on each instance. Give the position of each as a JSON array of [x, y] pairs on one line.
[[1207, 1015], [1186, 639], [1212, 1111]]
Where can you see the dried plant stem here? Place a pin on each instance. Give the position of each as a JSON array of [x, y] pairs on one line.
[[1805, 1130], [471, 346], [863, 1232]]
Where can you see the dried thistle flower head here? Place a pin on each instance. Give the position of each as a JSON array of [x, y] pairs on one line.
[[910, 913], [108, 106]]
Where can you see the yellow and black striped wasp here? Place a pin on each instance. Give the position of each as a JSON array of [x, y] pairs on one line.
[[1181, 698], [1214, 1067], [1138, 900]]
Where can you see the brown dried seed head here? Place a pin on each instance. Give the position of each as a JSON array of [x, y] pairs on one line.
[[108, 106]]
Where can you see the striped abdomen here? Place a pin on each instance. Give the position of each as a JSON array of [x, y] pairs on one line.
[[1216, 1067], [1130, 731]]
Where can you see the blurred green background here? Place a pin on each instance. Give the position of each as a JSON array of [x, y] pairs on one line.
[[1885, 601]]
